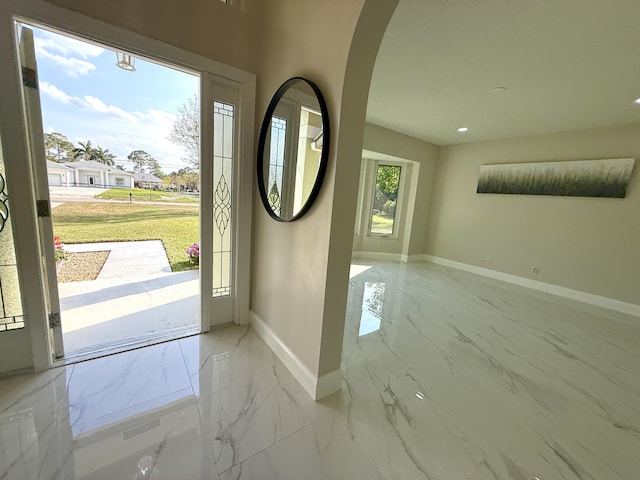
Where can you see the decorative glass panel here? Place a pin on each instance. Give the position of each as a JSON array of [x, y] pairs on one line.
[[10, 301], [276, 163], [223, 139]]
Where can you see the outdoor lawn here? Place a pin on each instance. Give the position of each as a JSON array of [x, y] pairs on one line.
[[147, 195], [176, 226], [381, 224]]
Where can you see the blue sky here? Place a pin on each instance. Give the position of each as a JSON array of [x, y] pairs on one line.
[[85, 96]]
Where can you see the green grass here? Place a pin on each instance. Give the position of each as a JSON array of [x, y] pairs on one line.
[[382, 224], [144, 195], [176, 226]]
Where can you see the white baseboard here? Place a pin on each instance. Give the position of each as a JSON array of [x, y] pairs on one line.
[[605, 302], [316, 387], [412, 258], [395, 257]]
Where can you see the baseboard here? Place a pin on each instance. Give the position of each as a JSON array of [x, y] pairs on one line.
[[412, 258], [394, 257], [597, 300], [316, 387]]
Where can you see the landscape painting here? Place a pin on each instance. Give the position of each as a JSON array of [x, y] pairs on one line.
[[584, 178]]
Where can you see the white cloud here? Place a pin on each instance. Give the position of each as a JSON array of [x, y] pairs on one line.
[[69, 54], [117, 129], [87, 103], [71, 66], [54, 92], [66, 45], [97, 105]]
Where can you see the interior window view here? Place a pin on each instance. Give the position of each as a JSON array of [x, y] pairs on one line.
[[290, 239]]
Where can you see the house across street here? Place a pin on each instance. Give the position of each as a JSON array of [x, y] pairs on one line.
[[87, 173]]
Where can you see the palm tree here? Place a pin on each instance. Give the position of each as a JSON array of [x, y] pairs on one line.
[[85, 151], [103, 156]]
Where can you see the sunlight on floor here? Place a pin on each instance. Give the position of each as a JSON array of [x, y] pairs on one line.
[[356, 270]]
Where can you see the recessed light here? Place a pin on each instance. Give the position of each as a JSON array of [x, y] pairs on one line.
[[637, 101], [463, 129]]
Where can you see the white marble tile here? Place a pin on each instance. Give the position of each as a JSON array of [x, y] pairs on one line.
[[320, 451], [247, 397], [155, 434], [446, 375], [33, 420], [110, 386], [520, 384]]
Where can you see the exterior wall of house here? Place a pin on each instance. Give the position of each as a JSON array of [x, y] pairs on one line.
[[120, 181]]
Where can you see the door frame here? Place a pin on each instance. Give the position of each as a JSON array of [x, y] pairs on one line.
[[15, 148]]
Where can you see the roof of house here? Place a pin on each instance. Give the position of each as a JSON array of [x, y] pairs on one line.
[[146, 177], [89, 164], [51, 164], [95, 165]]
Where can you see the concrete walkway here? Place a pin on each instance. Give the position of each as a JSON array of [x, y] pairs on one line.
[[135, 298], [128, 259]]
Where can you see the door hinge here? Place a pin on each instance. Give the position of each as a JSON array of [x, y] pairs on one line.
[[42, 207], [29, 77], [54, 320]]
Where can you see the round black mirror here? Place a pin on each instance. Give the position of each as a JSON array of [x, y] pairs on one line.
[[293, 149]]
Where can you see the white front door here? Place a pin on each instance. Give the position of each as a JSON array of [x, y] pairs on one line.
[[41, 184]]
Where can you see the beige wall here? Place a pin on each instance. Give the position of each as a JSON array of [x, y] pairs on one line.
[[209, 28], [291, 259], [587, 244]]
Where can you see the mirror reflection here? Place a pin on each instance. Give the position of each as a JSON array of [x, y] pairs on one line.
[[292, 146]]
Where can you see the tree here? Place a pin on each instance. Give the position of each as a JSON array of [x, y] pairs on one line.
[[154, 168], [103, 156], [84, 151], [186, 131], [387, 180], [185, 179], [57, 147], [141, 160]]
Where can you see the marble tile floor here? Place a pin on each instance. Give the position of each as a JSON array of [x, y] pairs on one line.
[[447, 375]]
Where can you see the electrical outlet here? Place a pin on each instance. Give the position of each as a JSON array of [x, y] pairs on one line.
[[487, 260], [534, 270]]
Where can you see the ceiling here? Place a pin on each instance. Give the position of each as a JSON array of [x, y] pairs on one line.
[[566, 65]]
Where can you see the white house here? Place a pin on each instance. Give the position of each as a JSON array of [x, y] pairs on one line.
[[87, 173], [59, 174], [146, 180]]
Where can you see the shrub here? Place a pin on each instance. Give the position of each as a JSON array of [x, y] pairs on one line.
[[193, 253], [60, 253]]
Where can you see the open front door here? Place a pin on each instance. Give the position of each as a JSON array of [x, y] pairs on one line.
[[41, 185]]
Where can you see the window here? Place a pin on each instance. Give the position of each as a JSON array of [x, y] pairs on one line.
[[119, 182], [385, 198]]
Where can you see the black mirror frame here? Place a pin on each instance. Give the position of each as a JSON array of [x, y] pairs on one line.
[[324, 156]]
